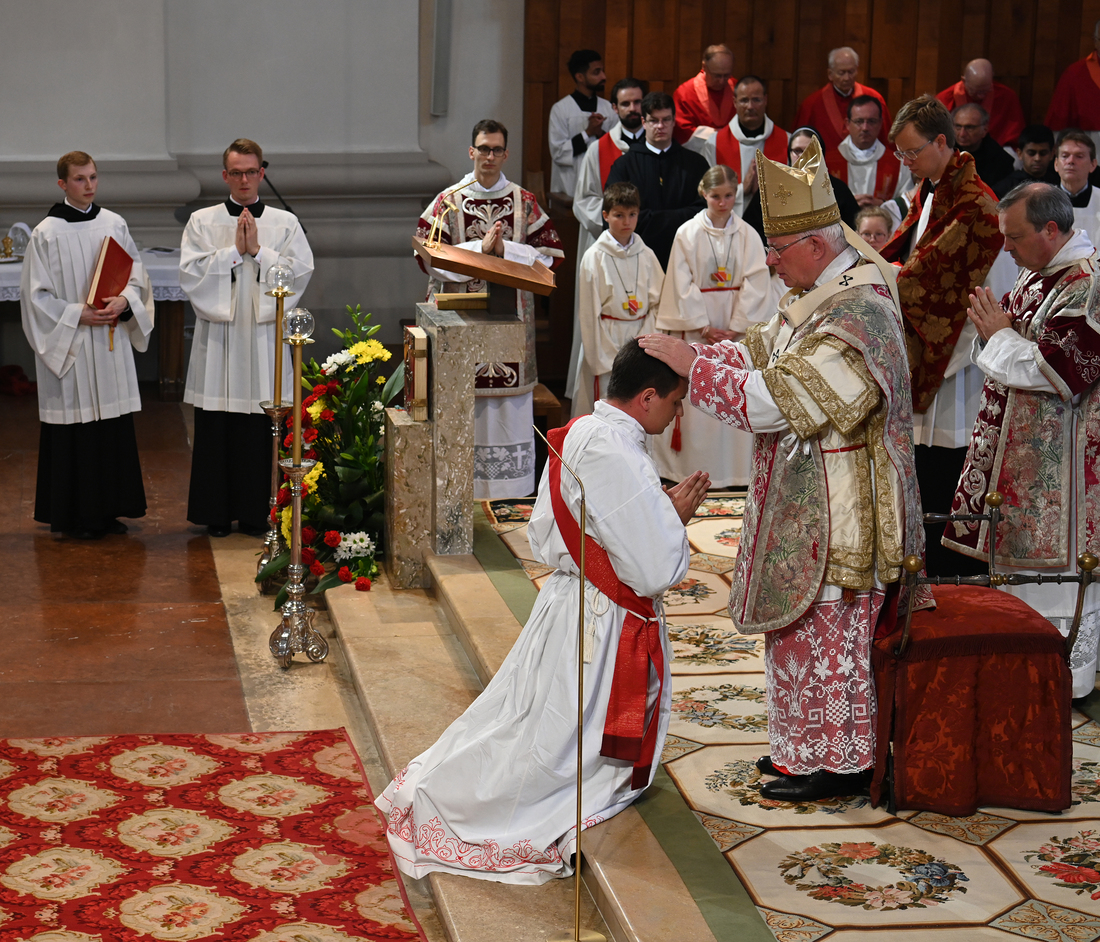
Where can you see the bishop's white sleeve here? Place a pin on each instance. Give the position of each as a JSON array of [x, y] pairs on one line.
[[206, 273], [1014, 361], [722, 384], [51, 324]]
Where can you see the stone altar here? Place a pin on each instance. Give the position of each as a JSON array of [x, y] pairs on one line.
[[430, 465]]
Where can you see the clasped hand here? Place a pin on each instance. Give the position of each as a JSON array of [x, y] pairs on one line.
[[248, 237], [107, 316], [493, 243], [688, 494], [986, 314]]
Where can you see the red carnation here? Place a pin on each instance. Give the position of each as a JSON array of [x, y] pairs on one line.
[[345, 574], [309, 435], [327, 415], [308, 556], [311, 454], [317, 568], [307, 419], [283, 497], [319, 390], [362, 584], [308, 401], [288, 442], [332, 538], [333, 388], [308, 535], [274, 513]]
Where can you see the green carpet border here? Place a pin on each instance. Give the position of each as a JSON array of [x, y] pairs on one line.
[[718, 892], [503, 569]]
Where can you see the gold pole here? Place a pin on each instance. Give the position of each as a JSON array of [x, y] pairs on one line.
[[578, 934], [297, 452], [279, 346]]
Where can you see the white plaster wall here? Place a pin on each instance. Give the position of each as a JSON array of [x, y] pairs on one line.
[[82, 76], [299, 77], [486, 81]]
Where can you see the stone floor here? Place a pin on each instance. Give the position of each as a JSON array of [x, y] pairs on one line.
[[156, 631]]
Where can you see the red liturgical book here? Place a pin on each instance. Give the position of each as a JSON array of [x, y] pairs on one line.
[[112, 272]]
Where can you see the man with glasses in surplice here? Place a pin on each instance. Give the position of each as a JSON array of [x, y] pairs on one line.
[[666, 174], [225, 256]]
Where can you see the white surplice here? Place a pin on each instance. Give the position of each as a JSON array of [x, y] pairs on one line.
[[588, 209], [610, 274], [566, 121], [232, 366], [80, 379], [690, 302], [1088, 217], [495, 797]]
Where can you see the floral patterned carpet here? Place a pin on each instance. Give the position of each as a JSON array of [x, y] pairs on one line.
[[841, 870], [265, 837]]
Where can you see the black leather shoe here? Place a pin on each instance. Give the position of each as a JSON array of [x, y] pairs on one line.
[[85, 534], [116, 528], [219, 529], [249, 529], [816, 786], [765, 767]]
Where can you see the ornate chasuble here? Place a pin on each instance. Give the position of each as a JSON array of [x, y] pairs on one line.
[[954, 256], [861, 456], [475, 212], [1023, 443], [728, 148]]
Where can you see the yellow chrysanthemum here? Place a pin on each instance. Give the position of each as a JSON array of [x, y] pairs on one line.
[[381, 380], [285, 516], [309, 482], [368, 350], [315, 409]]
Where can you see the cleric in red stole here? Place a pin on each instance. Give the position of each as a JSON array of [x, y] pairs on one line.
[[706, 100], [976, 87], [827, 108], [1076, 100]]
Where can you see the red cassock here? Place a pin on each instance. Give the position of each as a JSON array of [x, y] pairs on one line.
[[697, 106], [1006, 117], [1076, 101], [826, 110]]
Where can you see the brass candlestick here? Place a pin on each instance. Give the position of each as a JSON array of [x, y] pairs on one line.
[[280, 279], [296, 632]]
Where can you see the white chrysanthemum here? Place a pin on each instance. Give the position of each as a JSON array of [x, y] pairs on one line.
[[376, 407], [353, 546], [334, 362]]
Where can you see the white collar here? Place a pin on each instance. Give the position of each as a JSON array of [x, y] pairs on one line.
[[502, 182], [656, 151], [704, 218], [633, 135], [854, 155], [86, 210], [615, 416], [253, 203], [1079, 192], [765, 131], [841, 263], [842, 94], [1078, 247], [608, 243]]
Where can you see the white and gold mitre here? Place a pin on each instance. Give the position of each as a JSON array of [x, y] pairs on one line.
[[799, 198]]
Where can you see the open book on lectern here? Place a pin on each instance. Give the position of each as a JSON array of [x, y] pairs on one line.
[[536, 277]]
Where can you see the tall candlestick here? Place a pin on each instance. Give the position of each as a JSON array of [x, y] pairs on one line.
[[297, 447], [279, 348]]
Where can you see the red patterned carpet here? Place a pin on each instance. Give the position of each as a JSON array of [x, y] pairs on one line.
[[265, 837]]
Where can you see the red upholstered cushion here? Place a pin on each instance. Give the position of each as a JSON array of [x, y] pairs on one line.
[[972, 619]]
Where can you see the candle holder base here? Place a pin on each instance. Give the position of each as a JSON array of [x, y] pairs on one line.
[[296, 633], [274, 545]]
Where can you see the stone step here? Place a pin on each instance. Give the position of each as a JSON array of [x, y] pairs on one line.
[[413, 678]]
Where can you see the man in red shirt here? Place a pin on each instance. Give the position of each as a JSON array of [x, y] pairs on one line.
[[1076, 101], [976, 87], [827, 108], [706, 100]]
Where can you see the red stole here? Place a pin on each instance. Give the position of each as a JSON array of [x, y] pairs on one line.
[[886, 172], [717, 115], [1093, 64], [728, 148], [838, 117], [625, 735], [609, 152]]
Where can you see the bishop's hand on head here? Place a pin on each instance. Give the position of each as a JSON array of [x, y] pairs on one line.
[[677, 353]]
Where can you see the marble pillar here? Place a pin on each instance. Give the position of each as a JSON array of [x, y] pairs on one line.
[[408, 498]]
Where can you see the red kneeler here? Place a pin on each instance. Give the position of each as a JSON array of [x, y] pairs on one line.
[[977, 707]]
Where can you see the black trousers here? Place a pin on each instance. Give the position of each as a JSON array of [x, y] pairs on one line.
[[938, 471], [89, 474], [230, 469]]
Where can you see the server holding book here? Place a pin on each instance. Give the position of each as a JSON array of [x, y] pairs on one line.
[[84, 314]]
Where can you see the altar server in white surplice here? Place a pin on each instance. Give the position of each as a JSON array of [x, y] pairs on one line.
[[495, 797], [620, 286], [224, 260], [89, 474], [716, 287]]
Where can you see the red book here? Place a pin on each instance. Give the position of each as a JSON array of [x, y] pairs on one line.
[[111, 273]]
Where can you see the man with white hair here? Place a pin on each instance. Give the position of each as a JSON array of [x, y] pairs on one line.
[[827, 108], [976, 87], [1039, 354], [824, 387]]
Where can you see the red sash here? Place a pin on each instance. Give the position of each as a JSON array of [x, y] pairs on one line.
[[886, 173], [1093, 65], [609, 152], [717, 115], [728, 149], [625, 735]]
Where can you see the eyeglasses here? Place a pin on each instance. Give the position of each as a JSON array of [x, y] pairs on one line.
[[237, 174], [910, 154], [660, 122], [485, 150], [780, 249]]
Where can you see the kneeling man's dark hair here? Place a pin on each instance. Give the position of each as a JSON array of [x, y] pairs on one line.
[[634, 370]]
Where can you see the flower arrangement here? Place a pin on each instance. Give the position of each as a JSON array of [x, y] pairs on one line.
[[342, 421]]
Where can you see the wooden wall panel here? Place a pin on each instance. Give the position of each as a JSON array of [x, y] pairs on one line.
[[905, 48]]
